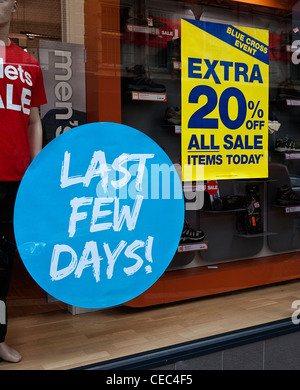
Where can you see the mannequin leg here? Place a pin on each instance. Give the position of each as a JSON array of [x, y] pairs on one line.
[[7, 254]]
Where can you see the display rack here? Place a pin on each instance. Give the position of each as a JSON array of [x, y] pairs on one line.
[[233, 255], [205, 281]]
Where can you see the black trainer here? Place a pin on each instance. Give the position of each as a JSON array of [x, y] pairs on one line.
[[190, 235], [286, 145], [287, 197], [173, 115], [144, 84]]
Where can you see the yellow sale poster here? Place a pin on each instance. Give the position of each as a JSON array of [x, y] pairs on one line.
[[225, 93]]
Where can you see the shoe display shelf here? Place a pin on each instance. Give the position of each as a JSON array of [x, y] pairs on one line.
[[289, 154], [229, 262], [237, 212], [176, 129], [238, 233], [283, 211], [262, 234], [265, 232], [190, 283], [228, 259]]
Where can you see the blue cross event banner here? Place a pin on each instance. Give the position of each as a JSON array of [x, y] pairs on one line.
[[225, 101]]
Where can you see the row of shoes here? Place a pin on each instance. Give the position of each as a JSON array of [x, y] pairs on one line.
[[285, 197], [287, 145]]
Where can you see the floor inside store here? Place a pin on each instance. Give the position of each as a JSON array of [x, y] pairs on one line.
[[25, 296], [50, 338]]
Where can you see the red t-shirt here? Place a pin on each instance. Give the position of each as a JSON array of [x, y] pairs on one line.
[[21, 87]]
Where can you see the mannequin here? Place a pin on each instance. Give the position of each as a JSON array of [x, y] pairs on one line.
[[21, 94]]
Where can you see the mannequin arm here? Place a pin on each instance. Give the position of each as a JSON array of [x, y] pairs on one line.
[[35, 132]]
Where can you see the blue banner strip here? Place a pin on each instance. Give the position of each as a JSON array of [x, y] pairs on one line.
[[236, 38]]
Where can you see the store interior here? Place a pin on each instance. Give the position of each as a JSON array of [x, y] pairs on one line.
[[237, 276]]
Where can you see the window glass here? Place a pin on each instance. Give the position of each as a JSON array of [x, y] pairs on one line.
[[121, 61]]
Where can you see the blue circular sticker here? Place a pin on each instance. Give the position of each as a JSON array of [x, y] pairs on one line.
[[99, 215]]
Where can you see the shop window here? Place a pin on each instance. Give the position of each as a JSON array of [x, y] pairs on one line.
[[238, 233]]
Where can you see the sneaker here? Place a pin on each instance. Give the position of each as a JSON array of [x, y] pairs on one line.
[[144, 84], [137, 70], [285, 145], [297, 146], [173, 115], [286, 196], [189, 235]]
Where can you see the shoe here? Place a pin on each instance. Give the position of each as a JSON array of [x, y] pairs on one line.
[[137, 70], [189, 235], [286, 196], [285, 145], [229, 202], [144, 84], [141, 83], [173, 115]]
